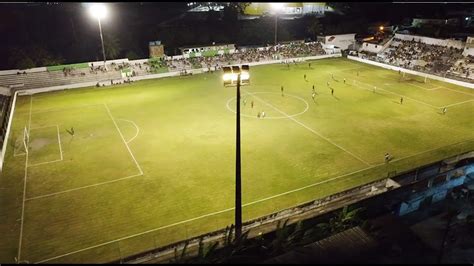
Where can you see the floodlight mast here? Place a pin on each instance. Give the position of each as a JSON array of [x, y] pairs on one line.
[[238, 179], [276, 8], [238, 74], [99, 11]]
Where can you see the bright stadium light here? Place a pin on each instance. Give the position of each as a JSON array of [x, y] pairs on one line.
[[244, 75], [276, 8], [381, 28], [99, 11], [227, 77]]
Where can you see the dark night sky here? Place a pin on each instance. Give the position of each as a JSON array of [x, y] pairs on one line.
[[66, 30]]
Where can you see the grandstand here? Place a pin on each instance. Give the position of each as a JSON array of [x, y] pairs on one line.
[[444, 58]]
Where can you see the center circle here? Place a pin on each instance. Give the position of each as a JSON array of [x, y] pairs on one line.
[[270, 105]]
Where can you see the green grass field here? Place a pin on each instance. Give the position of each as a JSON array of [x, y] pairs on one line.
[[152, 162]]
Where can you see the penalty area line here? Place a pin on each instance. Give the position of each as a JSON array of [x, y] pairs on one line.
[[83, 187], [24, 186]]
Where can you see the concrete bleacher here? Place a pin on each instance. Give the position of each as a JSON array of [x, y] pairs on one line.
[[53, 78], [435, 56]]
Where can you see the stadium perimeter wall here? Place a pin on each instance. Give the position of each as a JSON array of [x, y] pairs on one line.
[[421, 74], [431, 41]]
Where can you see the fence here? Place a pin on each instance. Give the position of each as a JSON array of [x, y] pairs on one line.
[[431, 41], [9, 116]]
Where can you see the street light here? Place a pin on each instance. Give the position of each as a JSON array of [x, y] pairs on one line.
[[276, 8], [99, 11], [236, 75]]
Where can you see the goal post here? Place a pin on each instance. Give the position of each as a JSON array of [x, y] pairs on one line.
[[408, 77]]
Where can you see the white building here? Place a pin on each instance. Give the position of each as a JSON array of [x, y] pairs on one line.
[[341, 41]]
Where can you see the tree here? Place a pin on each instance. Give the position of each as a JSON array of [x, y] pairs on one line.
[[112, 46], [20, 59], [240, 7], [131, 55], [32, 56], [315, 28], [343, 220], [42, 57], [25, 63]]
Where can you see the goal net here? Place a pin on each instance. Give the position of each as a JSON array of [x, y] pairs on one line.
[[407, 77], [26, 140], [21, 143]]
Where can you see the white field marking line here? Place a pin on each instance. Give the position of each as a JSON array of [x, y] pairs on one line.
[[310, 129], [437, 107], [15, 154], [42, 127], [229, 209], [368, 84], [436, 88], [423, 88], [24, 186], [60, 149], [459, 103], [83, 187], [467, 93], [36, 164], [59, 140], [136, 127], [126, 145], [270, 117], [66, 108], [380, 89]]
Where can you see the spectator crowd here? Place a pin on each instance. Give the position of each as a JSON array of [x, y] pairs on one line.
[[429, 58], [244, 55]]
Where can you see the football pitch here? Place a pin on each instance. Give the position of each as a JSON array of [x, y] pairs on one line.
[[114, 171]]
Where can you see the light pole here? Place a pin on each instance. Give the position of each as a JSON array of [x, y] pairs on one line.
[[276, 8], [240, 75], [238, 179], [99, 11]]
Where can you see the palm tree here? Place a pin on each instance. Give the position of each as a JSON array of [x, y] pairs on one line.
[[315, 28], [344, 220], [112, 46]]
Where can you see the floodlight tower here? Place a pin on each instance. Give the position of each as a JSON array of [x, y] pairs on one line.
[[236, 75], [99, 11], [276, 7]]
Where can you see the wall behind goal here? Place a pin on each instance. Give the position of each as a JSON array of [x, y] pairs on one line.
[[432, 41], [452, 81]]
